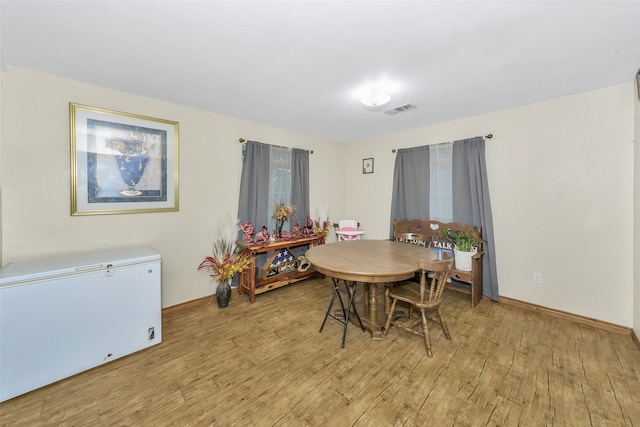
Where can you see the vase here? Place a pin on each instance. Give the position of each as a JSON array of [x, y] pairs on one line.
[[463, 260], [132, 159], [279, 224], [223, 294]]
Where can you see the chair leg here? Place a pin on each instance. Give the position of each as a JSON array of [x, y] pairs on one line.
[[443, 323], [346, 311], [351, 290], [425, 331], [333, 297], [352, 304], [389, 318]]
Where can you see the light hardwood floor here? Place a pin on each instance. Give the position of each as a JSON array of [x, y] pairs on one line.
[[265, 364]]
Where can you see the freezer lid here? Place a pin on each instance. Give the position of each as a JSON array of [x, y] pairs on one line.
[[71, 263]]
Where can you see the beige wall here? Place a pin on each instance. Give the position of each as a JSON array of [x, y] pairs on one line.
[[1, 175], [560, 174], [636, 274], [561, 187], [35, 171]]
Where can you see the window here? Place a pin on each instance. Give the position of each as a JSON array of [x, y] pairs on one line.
[[440, 191], [279, 179]]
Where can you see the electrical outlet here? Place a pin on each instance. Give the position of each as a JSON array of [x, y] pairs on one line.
[[151, 334], [537, 278]]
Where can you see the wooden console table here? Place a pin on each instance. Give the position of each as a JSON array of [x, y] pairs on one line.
[[281, 268]]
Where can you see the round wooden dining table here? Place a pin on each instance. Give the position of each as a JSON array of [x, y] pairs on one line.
[[369, 262]]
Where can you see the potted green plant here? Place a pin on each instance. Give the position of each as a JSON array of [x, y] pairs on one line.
[[465, 246]]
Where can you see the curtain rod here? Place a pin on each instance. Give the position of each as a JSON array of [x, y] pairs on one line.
[[489, 136], [242, 141]]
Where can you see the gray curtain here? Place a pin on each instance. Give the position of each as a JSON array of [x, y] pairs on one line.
[[471, 204], [300, 184], [254, 185], [411, 184], [254, 189]]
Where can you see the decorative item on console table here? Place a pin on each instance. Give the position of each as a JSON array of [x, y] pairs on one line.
[[227, 260], [281, 214], [279, 224], [247, 229], [309, 228], [322, 228]]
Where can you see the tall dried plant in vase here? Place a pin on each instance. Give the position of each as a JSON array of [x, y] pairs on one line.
[[227, 259]]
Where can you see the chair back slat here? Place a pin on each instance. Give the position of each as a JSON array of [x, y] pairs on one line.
[[440, 270]]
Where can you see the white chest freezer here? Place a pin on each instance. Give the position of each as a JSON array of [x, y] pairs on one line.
[[65, 314]]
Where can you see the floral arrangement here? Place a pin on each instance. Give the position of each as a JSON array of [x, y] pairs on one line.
[[321, 229], [283, 212], [228, 258]]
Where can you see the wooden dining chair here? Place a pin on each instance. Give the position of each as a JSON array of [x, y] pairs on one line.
[[423, 296]]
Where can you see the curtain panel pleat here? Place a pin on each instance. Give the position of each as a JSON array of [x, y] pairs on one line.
[[472, 205], [300, 184], [411, 185], [254, 185]]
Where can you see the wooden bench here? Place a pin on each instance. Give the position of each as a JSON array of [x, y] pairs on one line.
[[430, 230]]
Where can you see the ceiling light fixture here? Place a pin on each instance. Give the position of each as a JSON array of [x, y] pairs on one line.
[[375, 98]]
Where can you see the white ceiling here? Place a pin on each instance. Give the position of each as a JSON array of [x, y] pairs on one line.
[[296, 64]]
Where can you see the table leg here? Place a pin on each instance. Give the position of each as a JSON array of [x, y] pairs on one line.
[[375, 327], [387, 300], [365, 298]]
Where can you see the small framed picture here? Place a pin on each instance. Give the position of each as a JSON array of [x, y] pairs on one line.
[[367, 165]]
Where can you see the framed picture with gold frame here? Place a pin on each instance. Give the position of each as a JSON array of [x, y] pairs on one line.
[[122, 162]]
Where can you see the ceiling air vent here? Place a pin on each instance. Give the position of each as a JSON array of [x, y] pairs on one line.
[[400, 109]]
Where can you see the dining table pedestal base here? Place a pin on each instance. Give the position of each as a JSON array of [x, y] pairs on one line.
[[373, 317]]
